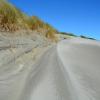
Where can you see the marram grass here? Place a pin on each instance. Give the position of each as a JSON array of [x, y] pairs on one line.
[[12, 19]]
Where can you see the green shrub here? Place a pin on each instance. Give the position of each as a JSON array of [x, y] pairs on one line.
[[87, 37]]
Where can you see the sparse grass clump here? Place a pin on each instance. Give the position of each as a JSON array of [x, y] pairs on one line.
[[34, 23], [8, 16], [11, 18], [45, 29]]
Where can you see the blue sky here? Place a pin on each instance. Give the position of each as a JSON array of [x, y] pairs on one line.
[[81, 17]]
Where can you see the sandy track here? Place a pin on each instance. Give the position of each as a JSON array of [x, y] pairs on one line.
[[81, 60], [68, 71]]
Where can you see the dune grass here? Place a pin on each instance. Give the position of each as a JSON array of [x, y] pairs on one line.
[[8, 16], [12, 19]]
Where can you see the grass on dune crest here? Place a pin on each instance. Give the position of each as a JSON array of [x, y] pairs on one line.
[[12, 19], [44, 28], [9, 16]]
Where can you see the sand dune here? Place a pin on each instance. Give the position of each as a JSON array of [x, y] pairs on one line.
[[67, 71]]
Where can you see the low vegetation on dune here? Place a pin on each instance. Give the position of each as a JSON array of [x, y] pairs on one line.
[[45, 29], [82, 36], [12, 19], [69, 34], [73, 35]]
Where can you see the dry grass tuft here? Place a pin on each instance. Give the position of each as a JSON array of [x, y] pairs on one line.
[[8, 16]]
